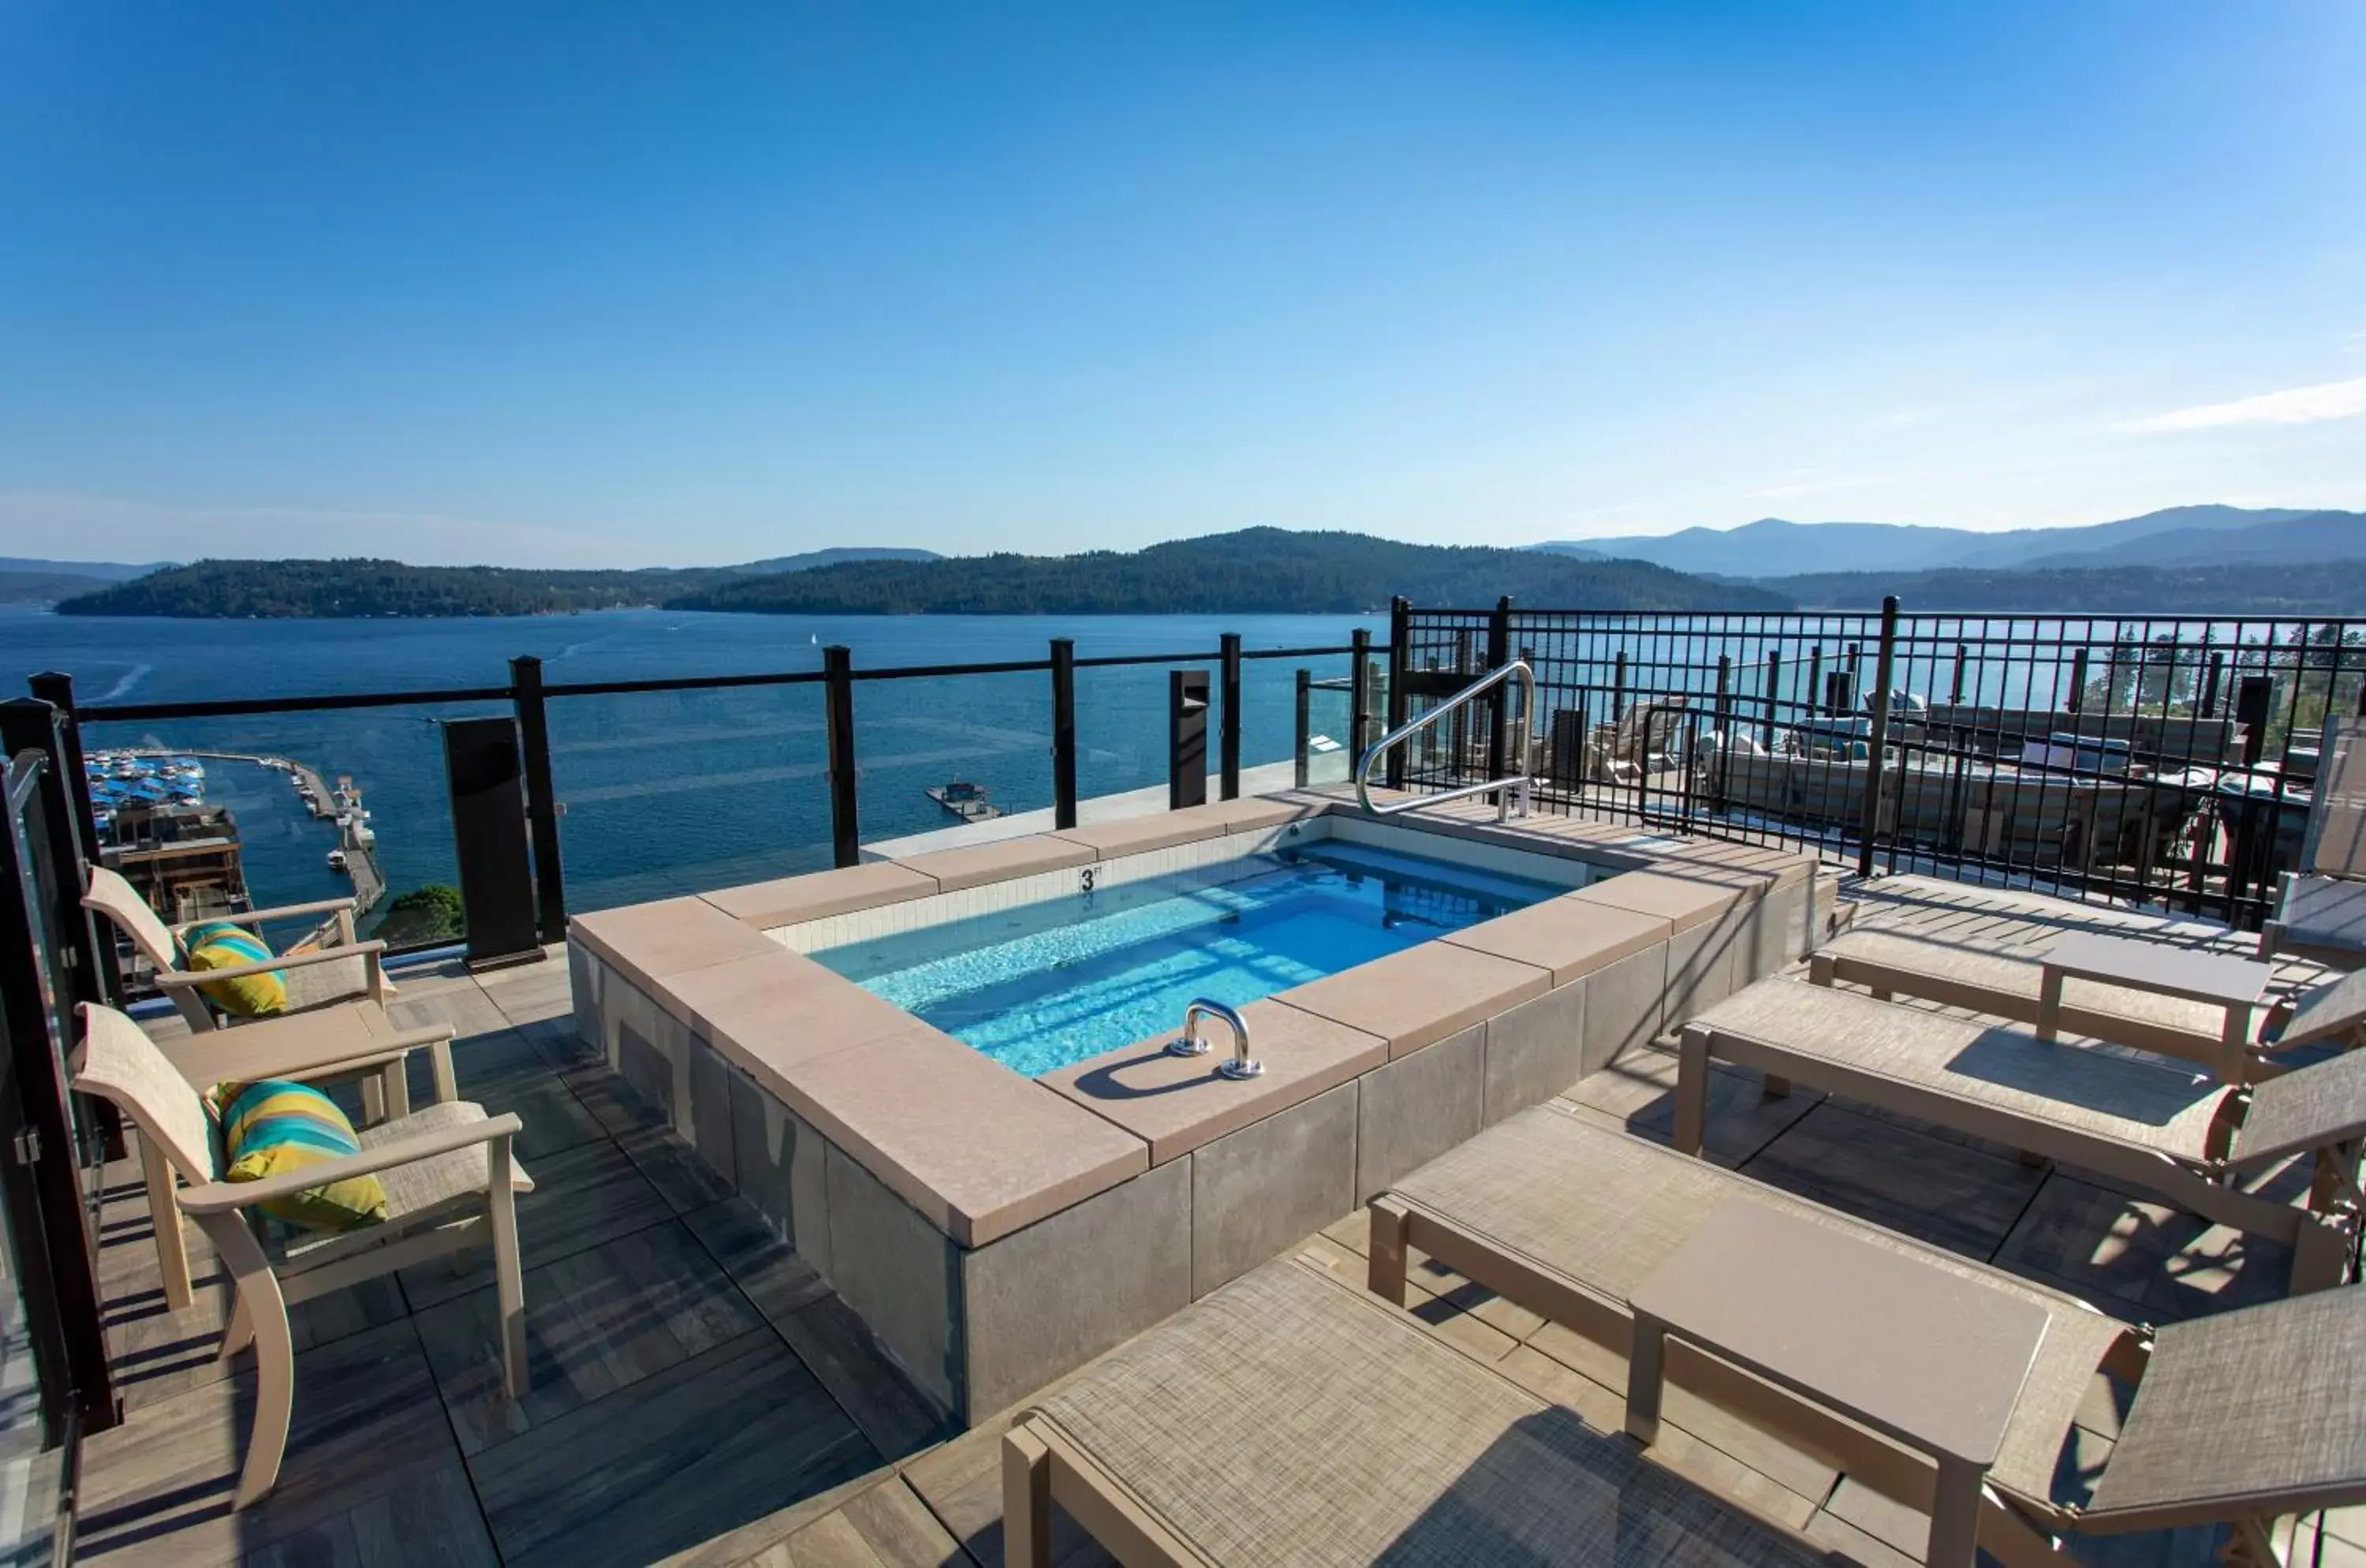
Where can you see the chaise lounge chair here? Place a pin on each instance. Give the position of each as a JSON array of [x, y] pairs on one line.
[[2005, 983], [2238, 1419], [449, 1179], [1286, 1419], [2321, 906], [2166, 1129]]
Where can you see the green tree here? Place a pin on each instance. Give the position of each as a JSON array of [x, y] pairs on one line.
[[426, 914]]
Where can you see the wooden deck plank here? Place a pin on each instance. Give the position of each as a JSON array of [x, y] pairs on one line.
[[667, 1462], [367, 1425], [582, 1196], [597, 1321]]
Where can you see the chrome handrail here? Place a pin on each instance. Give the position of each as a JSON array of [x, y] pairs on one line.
[[1514, 784], [1188, 1043]]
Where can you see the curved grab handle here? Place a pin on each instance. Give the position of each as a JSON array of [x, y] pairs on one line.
[[1188, 1043], [1510, 790]]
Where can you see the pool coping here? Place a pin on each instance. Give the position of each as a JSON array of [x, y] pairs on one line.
[[851, 1114]]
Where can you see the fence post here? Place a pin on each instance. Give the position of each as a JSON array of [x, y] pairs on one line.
[[541, 797], [838, 711], [1400, 700], [1359, 695], [1956, 691], [1774, 697], [1305, 718], [1619, 687], [1229, 739], [1063, 733], [2079, 681], [1724, 722], [1499, 653], [56, 688], [1885, 669], [50, 1229]]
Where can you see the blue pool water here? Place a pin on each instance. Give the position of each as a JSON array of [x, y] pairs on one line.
[[1053, 983]]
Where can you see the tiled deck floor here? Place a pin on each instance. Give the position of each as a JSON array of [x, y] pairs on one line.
[[696, 1390]]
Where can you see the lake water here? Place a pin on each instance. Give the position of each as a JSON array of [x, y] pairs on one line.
[[664, 793]]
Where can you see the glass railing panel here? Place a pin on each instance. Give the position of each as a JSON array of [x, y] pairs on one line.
[[1329, 709], [673, 792], [266, 810], [1122, 730], [942, 753]]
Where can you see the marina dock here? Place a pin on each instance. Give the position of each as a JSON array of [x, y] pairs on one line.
[[340, 804]]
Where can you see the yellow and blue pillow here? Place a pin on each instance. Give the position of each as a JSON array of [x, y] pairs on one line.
[[221, 945], [271, 1127]]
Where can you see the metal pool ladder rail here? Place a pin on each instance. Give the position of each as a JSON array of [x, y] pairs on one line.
[[1188, 1043], [1511, 791]]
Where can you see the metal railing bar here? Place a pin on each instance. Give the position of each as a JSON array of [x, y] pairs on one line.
[[1106, 660], [1517, 785], [683, 684], [940, 672], [235, 708], [134, 713]]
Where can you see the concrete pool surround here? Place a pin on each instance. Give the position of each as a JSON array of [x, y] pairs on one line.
[[996, 1231]]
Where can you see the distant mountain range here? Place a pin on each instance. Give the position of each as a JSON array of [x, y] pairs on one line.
[[1773, 548], [1256, 571], [2184, 559], [838, 555], [1253, 571], [108, 571]]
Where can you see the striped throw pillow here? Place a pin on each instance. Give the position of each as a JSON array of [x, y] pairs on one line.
[[221, 945], [270, 1128]]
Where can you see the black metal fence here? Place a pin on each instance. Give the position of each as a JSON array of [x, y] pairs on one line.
[[2158, 759]]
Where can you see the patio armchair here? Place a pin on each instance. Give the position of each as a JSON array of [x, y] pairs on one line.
[[450, 1182], [2239, 1419], [2167, 1129], [341, 971], [336, 1033], [347, 977]]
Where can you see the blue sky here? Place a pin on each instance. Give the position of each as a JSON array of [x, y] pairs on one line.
[[627, 285]]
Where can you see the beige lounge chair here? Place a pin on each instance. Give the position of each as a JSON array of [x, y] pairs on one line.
[[2165, 1128], [450, 1184], [1639, 744], [341, 971], [1288, 1420], [2318, 917], [2321, 906], [2238, 1419], [2004, 983], [336, 1028], [347, 977]]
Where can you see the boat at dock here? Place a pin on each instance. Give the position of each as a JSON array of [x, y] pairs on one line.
[[965, 800]]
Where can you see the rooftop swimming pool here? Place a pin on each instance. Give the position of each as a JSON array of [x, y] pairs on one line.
[[1046, 984]]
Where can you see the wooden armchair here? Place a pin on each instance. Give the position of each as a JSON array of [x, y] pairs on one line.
[[451, 1182]]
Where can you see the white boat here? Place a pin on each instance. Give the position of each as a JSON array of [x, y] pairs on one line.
[[337, 860]]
